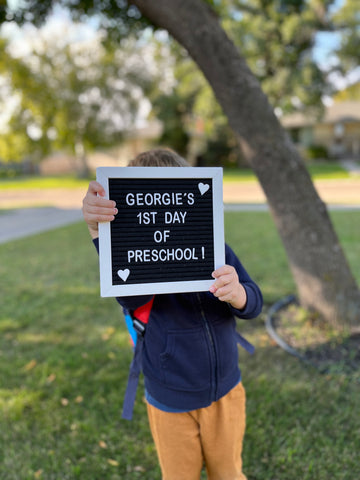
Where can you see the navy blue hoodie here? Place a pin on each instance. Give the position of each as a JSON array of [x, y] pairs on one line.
[[190, 353]]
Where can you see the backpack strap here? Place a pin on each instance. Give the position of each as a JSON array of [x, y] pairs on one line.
[[244, 343], [140, 318]]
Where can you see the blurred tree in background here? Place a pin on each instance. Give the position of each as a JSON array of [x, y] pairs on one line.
[[350, 93], [278, 39], [347, 23], [193, 122], [69, 96]]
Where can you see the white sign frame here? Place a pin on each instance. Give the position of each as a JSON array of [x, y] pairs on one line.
[[103, 174]]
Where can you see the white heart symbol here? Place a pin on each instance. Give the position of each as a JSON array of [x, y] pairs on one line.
[[123, 274], [203, 187]]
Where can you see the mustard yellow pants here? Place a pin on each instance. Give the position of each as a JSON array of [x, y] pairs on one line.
[[211, 435]]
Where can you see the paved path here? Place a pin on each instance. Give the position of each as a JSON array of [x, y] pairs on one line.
[[341, 191], [23, 222]]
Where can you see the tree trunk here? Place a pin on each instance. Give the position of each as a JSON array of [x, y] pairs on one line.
[[321, 272]]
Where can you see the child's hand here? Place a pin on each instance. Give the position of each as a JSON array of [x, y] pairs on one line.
[[227, 287], [97, 209]]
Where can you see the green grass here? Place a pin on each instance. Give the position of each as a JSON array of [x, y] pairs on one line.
[[327, 171], [239, 175], [64, 358], [317, 170]]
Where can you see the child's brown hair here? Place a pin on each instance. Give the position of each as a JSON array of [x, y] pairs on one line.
[[159, 157]]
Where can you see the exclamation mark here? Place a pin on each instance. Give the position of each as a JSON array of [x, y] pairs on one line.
[[203, 252]]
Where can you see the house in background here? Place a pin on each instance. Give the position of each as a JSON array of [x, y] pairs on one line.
[[139, 140], [338, 131]]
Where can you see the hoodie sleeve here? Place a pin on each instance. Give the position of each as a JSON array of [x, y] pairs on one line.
[[254, 301], [132, 302]]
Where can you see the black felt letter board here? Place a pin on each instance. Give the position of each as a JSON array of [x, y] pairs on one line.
[[163, 237]]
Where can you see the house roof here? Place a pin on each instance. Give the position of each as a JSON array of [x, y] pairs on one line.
[[335, 113]]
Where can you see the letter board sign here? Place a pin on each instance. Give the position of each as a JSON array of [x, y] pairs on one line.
[[168, 235]]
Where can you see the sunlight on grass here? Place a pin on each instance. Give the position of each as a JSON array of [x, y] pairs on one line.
[[14, 402], [318, 171], [43, 182], [38, 338], [9, 324], [327, 170]]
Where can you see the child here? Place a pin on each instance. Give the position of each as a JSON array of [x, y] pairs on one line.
[[195, 397]]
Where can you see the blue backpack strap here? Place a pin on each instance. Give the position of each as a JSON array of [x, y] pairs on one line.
[[244, 343], [133, 379], [137, 323]]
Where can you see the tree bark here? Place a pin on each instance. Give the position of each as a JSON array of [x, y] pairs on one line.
[[321, 272]]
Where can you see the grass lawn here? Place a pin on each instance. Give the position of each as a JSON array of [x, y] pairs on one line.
[[318, 170], [36, 182], [65, 355]]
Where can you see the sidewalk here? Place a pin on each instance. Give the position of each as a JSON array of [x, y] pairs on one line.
[[24, 222]]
